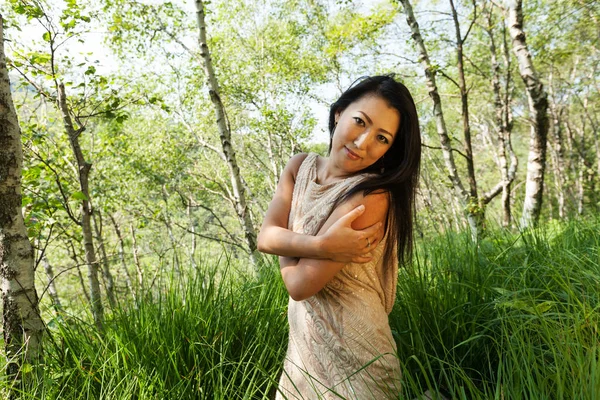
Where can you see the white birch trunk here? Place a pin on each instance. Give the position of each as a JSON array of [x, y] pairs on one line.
[[52, 286], [22, 325], [538, 107], [136, 258], [77, 267], [580, 191], [581, 168], [86, 209], [106, 274], [594, 127], [503, 124], [128, 280], [241, 206], [468, 202], [192, 229], [560, 177]]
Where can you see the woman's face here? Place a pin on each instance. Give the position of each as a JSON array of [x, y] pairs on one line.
[[365, 131]]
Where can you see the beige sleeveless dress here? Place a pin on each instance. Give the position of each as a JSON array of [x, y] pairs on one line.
[[340, 342]]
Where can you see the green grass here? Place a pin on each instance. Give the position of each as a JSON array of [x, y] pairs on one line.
[[216, 335], [515, 317]]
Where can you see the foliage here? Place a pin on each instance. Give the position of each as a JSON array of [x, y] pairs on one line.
[[516, 314]]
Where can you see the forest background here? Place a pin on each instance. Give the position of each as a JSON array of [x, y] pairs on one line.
[[148, 168]]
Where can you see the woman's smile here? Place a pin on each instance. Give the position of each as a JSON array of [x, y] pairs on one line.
[[351, 155]]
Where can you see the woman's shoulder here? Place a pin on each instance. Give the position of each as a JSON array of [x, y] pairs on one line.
[[293, 165], [376, 207]]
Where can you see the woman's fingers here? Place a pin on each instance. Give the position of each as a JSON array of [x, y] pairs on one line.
[[371, 236], [352, 215], [362, 259], [371, 241], [372, 231]]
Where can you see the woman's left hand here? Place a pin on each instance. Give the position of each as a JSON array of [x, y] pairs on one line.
[[342, 243]]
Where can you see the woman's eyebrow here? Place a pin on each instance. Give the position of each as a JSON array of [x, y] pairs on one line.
[[369, 119]]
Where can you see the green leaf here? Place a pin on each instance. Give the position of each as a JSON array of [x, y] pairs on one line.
[[26, 368], [90, 70], [79, 196], [46, 36]]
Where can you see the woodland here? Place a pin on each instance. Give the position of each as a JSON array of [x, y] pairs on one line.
[[141, 142]]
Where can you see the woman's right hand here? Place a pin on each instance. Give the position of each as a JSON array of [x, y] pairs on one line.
[[345, 244]]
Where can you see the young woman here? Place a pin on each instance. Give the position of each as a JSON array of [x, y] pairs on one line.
[[341, 224]]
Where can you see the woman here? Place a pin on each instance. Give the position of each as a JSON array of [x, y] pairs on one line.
[[339, 267]]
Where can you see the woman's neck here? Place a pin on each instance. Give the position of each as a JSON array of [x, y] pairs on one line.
[[327, 172]]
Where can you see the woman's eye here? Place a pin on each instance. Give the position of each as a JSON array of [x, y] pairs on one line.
[[359, 121], [383, 139]]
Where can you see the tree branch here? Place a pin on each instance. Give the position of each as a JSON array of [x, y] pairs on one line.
[[211, 237], [60, 188], [441, 72], [464, 39], [439, 148]]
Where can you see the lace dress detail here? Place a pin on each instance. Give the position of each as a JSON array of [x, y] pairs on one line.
[[340, 342]]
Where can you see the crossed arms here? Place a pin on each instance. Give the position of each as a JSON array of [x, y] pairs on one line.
[[308, 262]]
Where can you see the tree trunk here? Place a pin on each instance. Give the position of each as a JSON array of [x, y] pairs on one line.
[[22, 325], [51, 286], [469, 203], [503, 120], [274, 175], [86, 209], [167, 222], [192, 229], [594, 126], [106, 274], [538, 107], [241, 206], [507, 123], [581, 169], [560, 177], [476, 208], [136, 259], [580, 191], [128, 280], [77, 265], [464, 101]]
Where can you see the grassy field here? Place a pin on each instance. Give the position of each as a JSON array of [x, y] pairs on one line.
[[514, 317]]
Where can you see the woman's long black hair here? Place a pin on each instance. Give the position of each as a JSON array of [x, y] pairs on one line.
[[397, 172]]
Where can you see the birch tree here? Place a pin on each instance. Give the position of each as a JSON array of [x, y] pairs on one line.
[[568, 58], [557, 152], [84, 168], [432, 89], [538, 108], [470, 200], [48, 69], [239, 193], [502, 87], [22, 324]]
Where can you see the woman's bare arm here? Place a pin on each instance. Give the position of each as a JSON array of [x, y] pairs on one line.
[[304, 277], [340, 242]]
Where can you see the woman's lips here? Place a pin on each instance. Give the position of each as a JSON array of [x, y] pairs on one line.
[[352, 155]]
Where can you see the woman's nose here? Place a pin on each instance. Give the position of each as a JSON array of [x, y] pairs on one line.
[[361, 140]]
